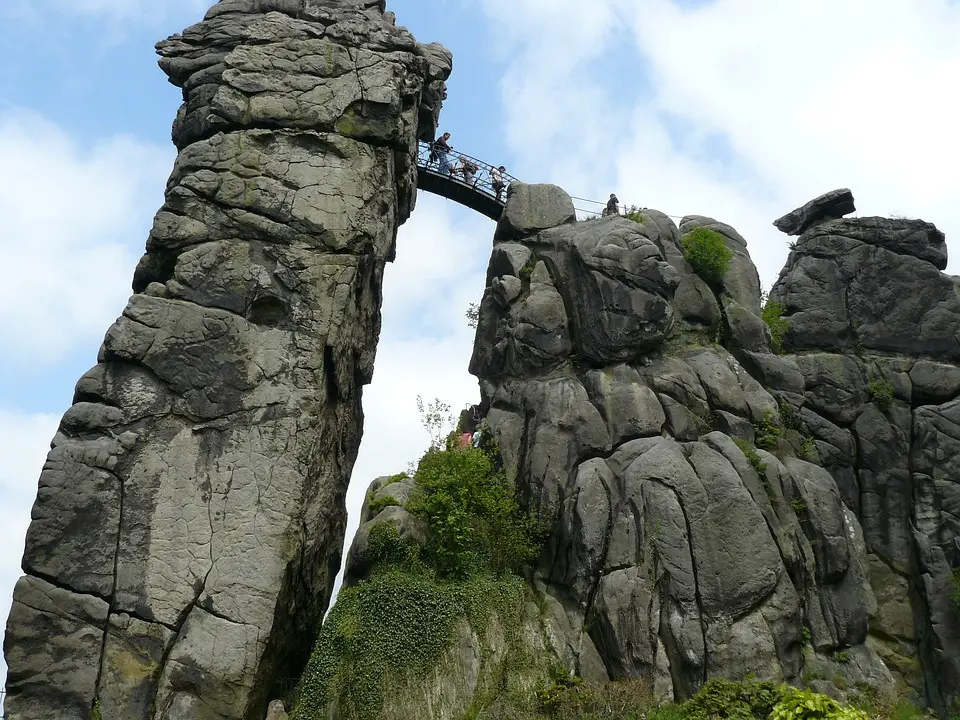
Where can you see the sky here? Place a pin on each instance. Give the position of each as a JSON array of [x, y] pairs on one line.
[[737, 109]]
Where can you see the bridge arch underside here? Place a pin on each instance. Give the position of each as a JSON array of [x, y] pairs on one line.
[[443, 185]]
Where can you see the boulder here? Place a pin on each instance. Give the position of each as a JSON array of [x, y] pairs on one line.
[[829, 206], [532, 208]]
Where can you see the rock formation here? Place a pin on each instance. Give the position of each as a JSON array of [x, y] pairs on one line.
[[718, 509], [190, 515], [678, 551], [875, 327]]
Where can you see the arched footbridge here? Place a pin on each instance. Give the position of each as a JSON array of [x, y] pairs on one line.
[[469, 181]]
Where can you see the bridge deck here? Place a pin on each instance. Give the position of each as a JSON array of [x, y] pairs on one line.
[[471, 189]]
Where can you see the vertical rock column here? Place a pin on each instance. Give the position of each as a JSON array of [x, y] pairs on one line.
[[190, 515]]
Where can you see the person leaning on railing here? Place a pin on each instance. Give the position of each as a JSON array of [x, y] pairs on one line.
[[468, 169]]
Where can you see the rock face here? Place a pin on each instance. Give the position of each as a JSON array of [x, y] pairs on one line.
[[190, 515], [878, 328], [678, 549]]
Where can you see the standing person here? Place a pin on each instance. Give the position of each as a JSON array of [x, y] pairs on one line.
[[612, 206], [442, 148], [468, 169], [496, 180]]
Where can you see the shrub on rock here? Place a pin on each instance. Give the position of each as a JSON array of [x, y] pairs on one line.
[[708, 254]]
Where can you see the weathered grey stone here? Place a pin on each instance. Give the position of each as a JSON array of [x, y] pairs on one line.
[[872, 284], [744, 330], [190, 516], [630, 408], [532, 208], [276, 711], [409, 528], [934, 383], [829, 206]]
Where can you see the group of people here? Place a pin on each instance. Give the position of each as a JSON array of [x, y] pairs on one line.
[[440, 153]]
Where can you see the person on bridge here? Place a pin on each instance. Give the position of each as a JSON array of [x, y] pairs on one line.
[[613, 207], [468, 169], [442, 148], [496, 181]]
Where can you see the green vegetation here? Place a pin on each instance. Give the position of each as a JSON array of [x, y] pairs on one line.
[[799, 506], [385, 634], [571, 698], [880, 393], [807, 705], [768, 431], [708, 254], [841, 656], [634, 213], [472, 512], [473, 315], [96, 713], [772, 315], [804, 631], [376, 505], [751, 454]]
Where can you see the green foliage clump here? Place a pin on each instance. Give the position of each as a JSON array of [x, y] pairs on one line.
[[708, 254], [475, 523], [808, 705], [772, 315], [880, 393], [376, 505], [841, 656], [634, 213], [768, 431], [750, 452], [798, 505], [387, 632], [96, 713], [729, 699]]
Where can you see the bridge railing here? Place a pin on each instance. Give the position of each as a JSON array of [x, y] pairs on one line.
[[459, 170]]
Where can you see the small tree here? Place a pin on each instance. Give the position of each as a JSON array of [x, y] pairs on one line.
[[436, 420], [473, 315], [708, 254], [772, 315]]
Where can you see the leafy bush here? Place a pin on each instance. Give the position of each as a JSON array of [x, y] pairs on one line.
[[767, 432], [376, 505], [708, 254], [881, 393], [729, 699], [474, 518], [751, 454], [634, 213], [808, 705], [473, 315], [772, 315]]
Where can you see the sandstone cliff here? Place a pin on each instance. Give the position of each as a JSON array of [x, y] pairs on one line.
[[190, 515], [715, 507]]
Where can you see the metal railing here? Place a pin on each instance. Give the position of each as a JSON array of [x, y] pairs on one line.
[[469, 181], [465, 170]]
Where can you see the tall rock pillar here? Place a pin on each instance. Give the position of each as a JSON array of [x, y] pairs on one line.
[[190, 515]]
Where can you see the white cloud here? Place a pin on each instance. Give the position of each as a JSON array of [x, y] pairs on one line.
[[804, 96], [72, 224], [24, 442]]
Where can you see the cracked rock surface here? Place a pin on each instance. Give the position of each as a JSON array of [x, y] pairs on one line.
[[626, 398], [190, 515]]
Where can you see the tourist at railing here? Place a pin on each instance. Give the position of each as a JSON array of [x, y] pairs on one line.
[[441, 149], [496, 180], [468, 170]]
